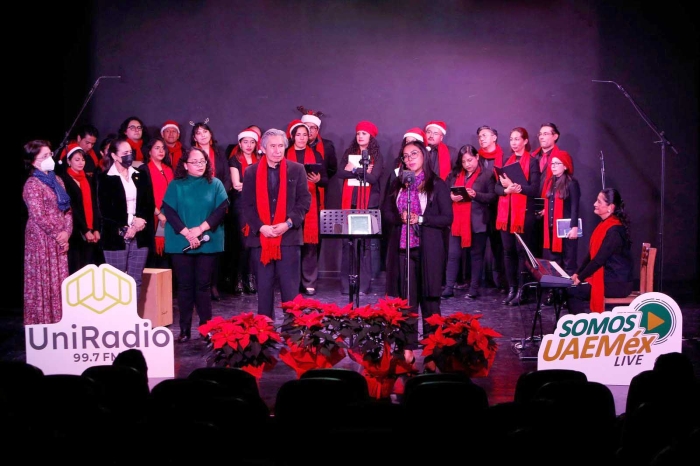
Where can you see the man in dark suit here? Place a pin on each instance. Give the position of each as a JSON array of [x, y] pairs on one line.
[[275, 201]]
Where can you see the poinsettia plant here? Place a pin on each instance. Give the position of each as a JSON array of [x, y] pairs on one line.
[[461, 344], [379, 334], [246, 340], [315, 334]]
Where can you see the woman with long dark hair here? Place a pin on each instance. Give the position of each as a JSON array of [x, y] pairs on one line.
[[300, 151], [361, 190], [606, 271], [157, 162], [471, 218], [419, 211], [516, 212], [203, 137]]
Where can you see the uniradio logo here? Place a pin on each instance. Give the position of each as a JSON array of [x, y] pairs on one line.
[[97, 290], [100, 320], [612, 347]]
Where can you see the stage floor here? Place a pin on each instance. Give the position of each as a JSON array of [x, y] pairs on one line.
[[514, 323]]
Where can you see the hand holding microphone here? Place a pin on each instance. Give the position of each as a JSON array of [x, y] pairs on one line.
[[201, 239]]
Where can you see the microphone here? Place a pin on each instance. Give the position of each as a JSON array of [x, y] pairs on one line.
[[365, 158], [203, 239], [408, 177]]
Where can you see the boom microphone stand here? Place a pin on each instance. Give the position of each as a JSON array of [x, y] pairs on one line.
[[664, 142], [89, 96]]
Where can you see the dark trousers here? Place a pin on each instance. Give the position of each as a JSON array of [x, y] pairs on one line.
[[286, 271], [309, 265], [193, 272], [348, 263], [476, 259], [494, 267], [578, 297], [417, 298], [514, 255], [567, 258]]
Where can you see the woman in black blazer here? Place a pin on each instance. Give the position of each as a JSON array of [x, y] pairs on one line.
[[125, 198], [472, 214], [418, 237]]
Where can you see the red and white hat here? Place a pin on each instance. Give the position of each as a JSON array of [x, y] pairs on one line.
[[293, 125], [170, 124], [72, 148], [440, 125], [249, 133], [308, 118], [416, 133]]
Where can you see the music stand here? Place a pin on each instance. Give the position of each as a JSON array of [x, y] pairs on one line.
[[352, 225]]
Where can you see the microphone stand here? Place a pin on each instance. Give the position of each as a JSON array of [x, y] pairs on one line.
[[87, 99], [602, 169], [407, 182], [664, 142]]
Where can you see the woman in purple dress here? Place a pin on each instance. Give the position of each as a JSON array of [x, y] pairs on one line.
[[49, 226]]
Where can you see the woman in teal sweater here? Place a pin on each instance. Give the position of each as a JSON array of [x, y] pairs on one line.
[[194, 205]]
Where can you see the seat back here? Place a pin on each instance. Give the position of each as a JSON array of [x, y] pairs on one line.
[[356, 381], [646, 276], [530, 382]]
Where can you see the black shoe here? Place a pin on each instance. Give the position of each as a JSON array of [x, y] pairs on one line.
[[184, 336], [461, 286], [512, 291], [238, 289], [520, 298], [310, 291], [447, 293], [472, 296], [250, 285]]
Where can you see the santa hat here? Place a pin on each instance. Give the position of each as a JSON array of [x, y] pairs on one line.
[[170, 124], [367, 126], [72, 148], [249, 133], [293, 125], [566, 159], [308, 118], [440, 125], [416, 133]]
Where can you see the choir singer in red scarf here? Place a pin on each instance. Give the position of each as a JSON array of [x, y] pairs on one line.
[[276, 199]]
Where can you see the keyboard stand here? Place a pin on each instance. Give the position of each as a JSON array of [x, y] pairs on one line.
[[528, 347]]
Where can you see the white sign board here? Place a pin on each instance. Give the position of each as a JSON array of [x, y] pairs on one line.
[[612, 347], [100, 320]]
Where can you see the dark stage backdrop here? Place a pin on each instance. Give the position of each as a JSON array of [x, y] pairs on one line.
[[399, 64]]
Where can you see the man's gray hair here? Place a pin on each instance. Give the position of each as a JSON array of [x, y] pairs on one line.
[[274, 132]]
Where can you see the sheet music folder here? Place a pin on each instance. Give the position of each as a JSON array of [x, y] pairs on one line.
[[514, 171]]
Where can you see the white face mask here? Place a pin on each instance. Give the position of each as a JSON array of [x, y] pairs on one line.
[[47, 165]]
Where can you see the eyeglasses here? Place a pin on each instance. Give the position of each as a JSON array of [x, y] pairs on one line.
[[546, 133], [197, 162], [135, 128], [556, 164], [44, 157], [411, 155]]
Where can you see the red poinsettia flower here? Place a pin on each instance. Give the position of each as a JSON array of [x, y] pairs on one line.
[[436, 340], [479, 337], [310, 320]]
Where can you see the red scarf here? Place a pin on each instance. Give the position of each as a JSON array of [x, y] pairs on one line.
[[175, 153], [362, 195], [136, 147], [558, 213], [271, 247], [597, 280], [515, 203], [444, 164], [160, 183], [462, 222], [87, 194], [212, 160], [496, 155], [244, 164], [311, 219], [319, 148]]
